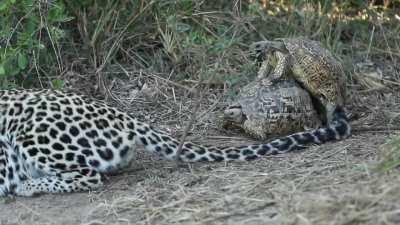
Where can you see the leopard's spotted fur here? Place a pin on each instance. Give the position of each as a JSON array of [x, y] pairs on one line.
[[52, 141]]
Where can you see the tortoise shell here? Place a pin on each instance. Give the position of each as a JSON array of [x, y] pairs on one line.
[[313, 66], [264, 110]]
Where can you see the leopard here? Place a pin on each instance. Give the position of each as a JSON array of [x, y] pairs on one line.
[[54, 141]]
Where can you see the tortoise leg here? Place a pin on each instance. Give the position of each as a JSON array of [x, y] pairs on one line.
[[281, 68], [264, 70], [325, 109], [261, 50], [329, 112]]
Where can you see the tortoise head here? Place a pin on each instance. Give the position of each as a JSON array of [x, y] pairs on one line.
[[261, 49], [234, 114]]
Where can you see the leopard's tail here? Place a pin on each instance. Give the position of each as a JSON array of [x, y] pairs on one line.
[[161, 143]]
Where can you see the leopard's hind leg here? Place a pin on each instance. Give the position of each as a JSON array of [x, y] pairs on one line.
[[11, 170], [3, 170], [82, 179]]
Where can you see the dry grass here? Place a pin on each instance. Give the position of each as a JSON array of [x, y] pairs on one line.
[[336, 183], [333, 184]]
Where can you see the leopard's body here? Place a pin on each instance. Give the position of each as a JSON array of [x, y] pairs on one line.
[[51, 142]]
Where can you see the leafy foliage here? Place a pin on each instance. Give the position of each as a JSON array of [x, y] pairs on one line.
[[41, 40], [30, 33]]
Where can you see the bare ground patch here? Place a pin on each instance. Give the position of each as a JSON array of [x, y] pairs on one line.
[[334, 183], [330, 184]]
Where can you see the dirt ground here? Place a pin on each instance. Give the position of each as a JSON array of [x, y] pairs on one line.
[[331, 184], [335, 183]]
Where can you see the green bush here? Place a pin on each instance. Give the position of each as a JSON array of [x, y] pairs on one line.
[[29, 40], [40, 40]]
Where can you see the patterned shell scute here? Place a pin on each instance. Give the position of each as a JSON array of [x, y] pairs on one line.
[[317, 69], [274, 110]]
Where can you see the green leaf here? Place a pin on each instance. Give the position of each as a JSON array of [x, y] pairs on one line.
[[22, 61], [57, 83], [2, 70], [13, 70], [3, 6], [41, 46], [31, 25], [57, 14]]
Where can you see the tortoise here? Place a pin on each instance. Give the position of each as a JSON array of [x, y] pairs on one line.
[[310, 64], [264, 110]]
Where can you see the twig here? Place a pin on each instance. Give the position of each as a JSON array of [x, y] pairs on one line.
[[248, 211], [171, 82], [131, 20], [374, 128], [198, 95], [227, 138], [189, 125]]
